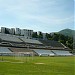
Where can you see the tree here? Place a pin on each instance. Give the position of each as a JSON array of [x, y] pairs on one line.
[[48, 36], [40, 36], [55, 37], [34, 35]]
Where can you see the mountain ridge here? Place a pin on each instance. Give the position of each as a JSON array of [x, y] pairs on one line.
[[67, 32]]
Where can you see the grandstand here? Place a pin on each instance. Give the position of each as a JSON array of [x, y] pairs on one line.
[[62, 53], [19, 41], [39, 52], [52, 43], [6, 44], [20, 50], [42, 52], [31, 41], [18, 44], [5, 51], [15, 52], [9, 38]]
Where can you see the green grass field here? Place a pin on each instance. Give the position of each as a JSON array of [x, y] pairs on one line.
[[37, 65]]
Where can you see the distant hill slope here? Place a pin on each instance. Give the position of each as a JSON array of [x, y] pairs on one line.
[[67, 32]]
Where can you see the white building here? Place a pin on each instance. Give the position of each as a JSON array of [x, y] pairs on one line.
[[30, 32], [26, 33], [23, 32], [44, 35], [2, 29], [18, 31], [12, 31], [5, 30]]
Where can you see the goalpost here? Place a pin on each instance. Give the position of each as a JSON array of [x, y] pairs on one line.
[[4, 55], [23, 56]]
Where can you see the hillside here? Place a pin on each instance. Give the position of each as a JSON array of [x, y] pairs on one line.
[[67, 32]]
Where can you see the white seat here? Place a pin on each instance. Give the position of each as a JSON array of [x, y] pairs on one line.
[[60, 52], [42, 52]]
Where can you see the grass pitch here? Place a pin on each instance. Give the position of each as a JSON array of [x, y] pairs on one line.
[[37, 65]]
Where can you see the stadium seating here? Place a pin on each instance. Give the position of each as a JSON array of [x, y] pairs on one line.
[[42, 52], [11, 38], [18, 44], [61, 52], [5, 51], [5, 44], [22, 44], [52, 43], [20, 50], [31, 41]]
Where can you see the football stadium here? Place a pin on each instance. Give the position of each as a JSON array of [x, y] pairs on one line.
[[25, 56], [37, 37], [11, 44]]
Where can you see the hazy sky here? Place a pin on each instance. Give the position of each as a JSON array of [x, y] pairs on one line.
[[38, 15]]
